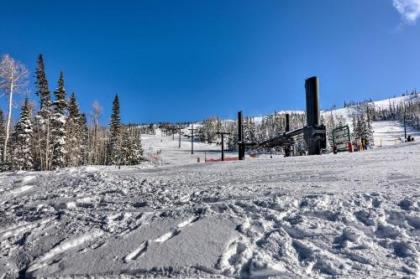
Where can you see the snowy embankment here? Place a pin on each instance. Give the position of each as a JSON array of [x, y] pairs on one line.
[[348, 215]]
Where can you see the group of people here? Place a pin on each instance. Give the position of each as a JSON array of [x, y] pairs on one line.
[[410, 138]]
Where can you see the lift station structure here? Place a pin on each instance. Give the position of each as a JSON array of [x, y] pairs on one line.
[[314, 133]]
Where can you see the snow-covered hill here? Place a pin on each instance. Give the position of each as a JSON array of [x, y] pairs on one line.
[[352, 215], [391, 133], [384, 132], [164, 150]]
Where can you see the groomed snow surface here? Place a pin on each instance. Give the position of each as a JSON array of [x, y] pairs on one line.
[[332, 216]]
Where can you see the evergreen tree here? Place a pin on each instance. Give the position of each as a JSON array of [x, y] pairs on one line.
[[131, 148], [42, 91], [137, 148], [249, 130], [58, 126], [126, 149], [74, 133], [22, 149], [42, 127], [114, 145]]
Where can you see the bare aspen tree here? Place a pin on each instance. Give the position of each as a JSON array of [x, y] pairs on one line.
[[13, 77], [96, 115]]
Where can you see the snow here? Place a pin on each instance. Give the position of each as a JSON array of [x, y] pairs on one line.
[[331, 216], [164, 150], [259, 119], [385, 133], [384, 104], [391, 132]]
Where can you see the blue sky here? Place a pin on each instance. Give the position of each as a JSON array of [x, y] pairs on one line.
[[188, 60]]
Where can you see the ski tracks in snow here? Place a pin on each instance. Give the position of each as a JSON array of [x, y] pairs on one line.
[[18, 187], [142, 248], [63, 247]]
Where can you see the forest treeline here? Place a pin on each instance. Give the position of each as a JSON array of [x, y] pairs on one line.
[[52, 132], [55, 133]]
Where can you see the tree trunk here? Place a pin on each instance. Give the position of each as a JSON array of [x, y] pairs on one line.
[[9, 118], [47, 144]]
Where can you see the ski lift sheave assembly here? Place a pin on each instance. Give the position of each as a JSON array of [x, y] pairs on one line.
[[314, 133]]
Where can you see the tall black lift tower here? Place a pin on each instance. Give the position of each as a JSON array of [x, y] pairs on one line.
[[192, 138], [222, 135], [314, 133], [241, 143]]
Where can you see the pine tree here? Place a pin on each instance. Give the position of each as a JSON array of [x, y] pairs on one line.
[[74, 133], [58, 126], [131, 148], [43, 91], [22, 147], [42, 127], [126, 149], [249, 130], [114, 145], [136, 148]]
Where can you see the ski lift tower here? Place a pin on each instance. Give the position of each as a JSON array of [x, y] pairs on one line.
[[192, 137], [314, 133], [222, 135]]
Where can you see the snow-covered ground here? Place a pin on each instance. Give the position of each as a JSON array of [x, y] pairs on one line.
[[391, 132], [385, 133], [351, 215], [164, 150]]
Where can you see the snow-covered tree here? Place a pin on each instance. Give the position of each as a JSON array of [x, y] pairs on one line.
[[96, 150], [126, 149], [84, 139], [114, 144], [58, 122], [22, 140], [136, 147], [250, 130], [362, 129], [131, 148], [13, 77], [208, 130], [73, 133], [42, 127]]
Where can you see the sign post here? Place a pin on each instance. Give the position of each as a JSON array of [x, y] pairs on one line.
[[341, 138]]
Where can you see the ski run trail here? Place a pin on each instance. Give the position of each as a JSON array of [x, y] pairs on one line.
[[351, 215]]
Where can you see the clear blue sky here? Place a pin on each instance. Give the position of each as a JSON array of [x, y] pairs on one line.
[[188, 60]]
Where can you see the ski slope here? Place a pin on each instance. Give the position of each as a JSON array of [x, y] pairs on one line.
[[160, 149], [391, 132], [351, 215], [385, 133]]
